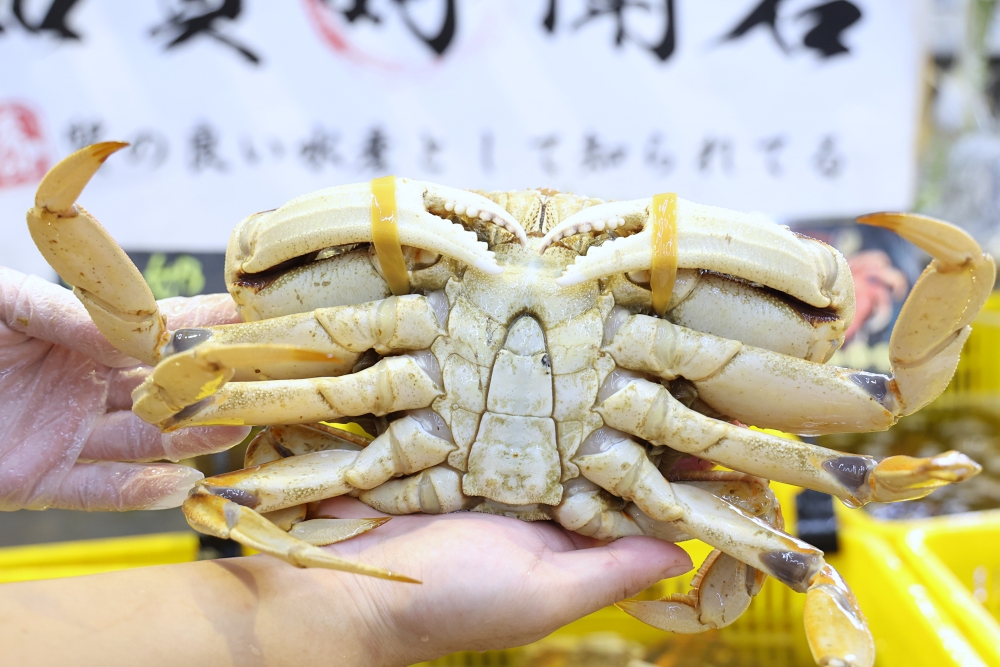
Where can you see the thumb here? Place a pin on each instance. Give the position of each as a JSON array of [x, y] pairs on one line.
[[609, 574]]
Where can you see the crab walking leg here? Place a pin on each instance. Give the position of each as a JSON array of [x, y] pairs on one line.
[[398, 383], [590, 510], [215, 515], [185, 378], [283, 441], [620, 465], [410, 322], [835, 626], [322, 343], [413, 443], [814, 399], [802, 396], [85, 256], [318, 466], [723, 587], [647, 410], [407, 447], [277, 442], [437, 490]]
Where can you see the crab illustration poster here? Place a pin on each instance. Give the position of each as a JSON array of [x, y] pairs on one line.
[[799, 108]]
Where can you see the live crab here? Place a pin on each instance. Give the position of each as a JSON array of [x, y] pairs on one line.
[[543, 356]]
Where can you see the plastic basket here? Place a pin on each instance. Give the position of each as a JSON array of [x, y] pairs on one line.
[[70, 559], [978, 371], [910, 628], [957, 559]]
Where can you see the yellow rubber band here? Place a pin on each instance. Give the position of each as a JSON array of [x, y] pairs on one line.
[[663, 269], [385, 235]]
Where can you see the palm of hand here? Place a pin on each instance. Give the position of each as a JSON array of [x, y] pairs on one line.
[[490, 581]]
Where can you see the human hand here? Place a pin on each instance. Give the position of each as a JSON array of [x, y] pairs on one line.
[[65, 397], [488, 582]]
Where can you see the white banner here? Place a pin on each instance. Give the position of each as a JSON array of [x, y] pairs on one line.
[[799, 108]]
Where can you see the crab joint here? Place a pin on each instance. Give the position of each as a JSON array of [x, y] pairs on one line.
[[385, 235], [663, 269]]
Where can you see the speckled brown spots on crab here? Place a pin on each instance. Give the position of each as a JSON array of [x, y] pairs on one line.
[[238, 496], [792, 568]]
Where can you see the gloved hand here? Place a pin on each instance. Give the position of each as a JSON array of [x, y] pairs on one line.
[[66, 424]]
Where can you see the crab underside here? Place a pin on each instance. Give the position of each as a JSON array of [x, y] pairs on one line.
[[504, 352]]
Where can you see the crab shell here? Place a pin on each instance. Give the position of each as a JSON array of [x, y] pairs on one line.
[[521, 369]]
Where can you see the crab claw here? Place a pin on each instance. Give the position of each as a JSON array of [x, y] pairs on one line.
[[933, 323], [746, 245], [85, 256], [341, 216]]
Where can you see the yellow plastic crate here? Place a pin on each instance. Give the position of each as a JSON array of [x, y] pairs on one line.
[[978, 369], [71, 559], [957, 559]]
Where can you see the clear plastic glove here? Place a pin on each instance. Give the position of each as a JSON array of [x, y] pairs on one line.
[[65, 399]]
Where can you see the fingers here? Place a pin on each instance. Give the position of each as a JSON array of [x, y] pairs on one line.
[[199, 311], [605, 575], [121, 436], [47, 311], [49, 399], [110, 487], [122, 382]]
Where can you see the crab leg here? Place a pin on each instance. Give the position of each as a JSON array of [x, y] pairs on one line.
[[835, 626], [408, 446], [278, 442], [620, 465], [389, 325], [403, 382], [731, 582], [436, 490], [732, 308], [647, 410], [280, 489], [121, 304], [802, 397], [224, 518], [85, 256], [590, 510]]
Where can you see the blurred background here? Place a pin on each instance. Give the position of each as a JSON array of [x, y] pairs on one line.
[[810, 111]]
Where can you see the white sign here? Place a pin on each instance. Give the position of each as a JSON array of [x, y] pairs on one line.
[[799, 108]]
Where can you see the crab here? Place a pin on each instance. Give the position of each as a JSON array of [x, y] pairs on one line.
[[543, 356]]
